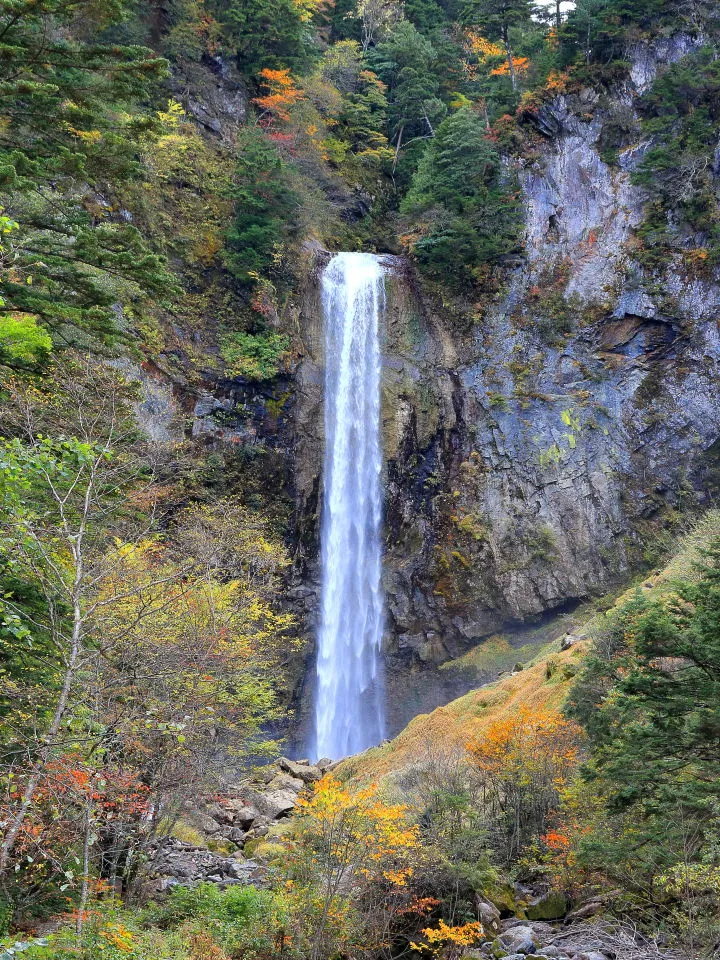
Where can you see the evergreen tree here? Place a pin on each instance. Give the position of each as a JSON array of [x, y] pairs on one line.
[[264, 207], [460, 191], [649, 699], [62, 96], [266, 34], [427, 15], [656, 732], [496, 18], [406, 62]]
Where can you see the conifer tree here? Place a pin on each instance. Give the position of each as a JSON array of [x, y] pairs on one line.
[[496, 18], [64, 129]]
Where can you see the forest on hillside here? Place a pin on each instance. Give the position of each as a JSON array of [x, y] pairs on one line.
[[147, 646]]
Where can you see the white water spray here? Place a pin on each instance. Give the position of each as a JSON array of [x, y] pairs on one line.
[[348, 712]]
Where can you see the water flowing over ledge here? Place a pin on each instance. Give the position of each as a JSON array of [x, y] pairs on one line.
[[349, 702]]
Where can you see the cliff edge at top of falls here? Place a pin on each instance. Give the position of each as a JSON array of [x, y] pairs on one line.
[[529, 456]]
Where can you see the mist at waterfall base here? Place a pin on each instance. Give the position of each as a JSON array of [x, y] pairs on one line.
[[349, 691]]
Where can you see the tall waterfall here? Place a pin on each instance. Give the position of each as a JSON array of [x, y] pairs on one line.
[[349, 711]]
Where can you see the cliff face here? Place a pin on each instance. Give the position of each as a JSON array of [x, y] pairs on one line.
[[530, 454], [530, 458]]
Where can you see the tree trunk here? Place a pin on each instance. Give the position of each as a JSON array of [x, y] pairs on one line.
[[86, 870], [397, 148], [510, 62], [49, 738]]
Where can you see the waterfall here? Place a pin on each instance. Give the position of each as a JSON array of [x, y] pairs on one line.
[[349, 708]]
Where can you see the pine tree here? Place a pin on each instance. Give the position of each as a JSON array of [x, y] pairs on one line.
[[649, 699], [264, 207], [459, 190], [65, 129], [266, 33], [496, 18]]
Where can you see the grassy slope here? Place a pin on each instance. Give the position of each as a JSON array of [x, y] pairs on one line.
[[544, 682]]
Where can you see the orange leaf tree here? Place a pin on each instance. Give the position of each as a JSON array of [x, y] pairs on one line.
[[523, 761], [282, 94]]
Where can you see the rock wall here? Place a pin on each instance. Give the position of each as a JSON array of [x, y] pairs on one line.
[[534, 442], [531, 455]]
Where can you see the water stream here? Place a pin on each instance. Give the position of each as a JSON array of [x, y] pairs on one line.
[[348, 709]]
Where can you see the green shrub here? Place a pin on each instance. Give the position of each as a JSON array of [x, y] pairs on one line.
[[255, 356], [681, 112], [238, 905]]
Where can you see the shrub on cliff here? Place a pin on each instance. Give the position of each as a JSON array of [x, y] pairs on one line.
[[464, 202]]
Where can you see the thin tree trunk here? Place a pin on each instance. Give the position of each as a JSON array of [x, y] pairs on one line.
[[397, 148], [510, 62], [44, 752], [86, 870]]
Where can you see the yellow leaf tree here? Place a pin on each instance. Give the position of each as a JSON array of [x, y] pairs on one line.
[[349, 848]]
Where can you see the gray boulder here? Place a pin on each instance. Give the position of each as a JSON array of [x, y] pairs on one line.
[[305, 772], [488, 915], [243, 813], [283, 781], [270, 803], [518, 940], [277, 803]]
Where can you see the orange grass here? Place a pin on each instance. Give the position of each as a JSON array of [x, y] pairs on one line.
[[543, 684]]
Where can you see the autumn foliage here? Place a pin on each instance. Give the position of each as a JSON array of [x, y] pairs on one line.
[[352, 849], [282, 93], [523, 761]]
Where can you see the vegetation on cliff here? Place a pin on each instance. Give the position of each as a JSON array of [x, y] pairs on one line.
[[143, 632]]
